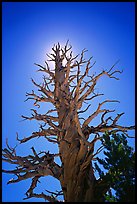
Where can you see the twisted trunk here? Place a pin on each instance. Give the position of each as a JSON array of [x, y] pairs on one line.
[[77, 182], [77, 178]]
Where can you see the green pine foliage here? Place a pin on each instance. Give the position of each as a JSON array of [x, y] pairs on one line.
[[119, 164]]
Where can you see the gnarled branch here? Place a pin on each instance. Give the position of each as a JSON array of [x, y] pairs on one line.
[[98, 110]]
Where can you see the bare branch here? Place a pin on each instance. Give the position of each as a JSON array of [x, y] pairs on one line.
[[98, 151], [80, 79], [94, 81], [11, 148], [54, 193], [84, 110], [33, 185], [49, 94], [51, 110], [113, 66], [95, 95], [42, 195], [23, 177], [32, 166], [38, 99], [44, 133], [117, 118], [46, 118], [102, 117], [43, 69], [98, 110], [111, 128]]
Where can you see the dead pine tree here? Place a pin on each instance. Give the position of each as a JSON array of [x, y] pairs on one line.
[[71, 89]]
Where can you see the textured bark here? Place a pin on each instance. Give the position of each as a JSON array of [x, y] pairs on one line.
[[72, 87]]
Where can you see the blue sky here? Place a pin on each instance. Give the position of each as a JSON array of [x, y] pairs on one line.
[[29, 30]]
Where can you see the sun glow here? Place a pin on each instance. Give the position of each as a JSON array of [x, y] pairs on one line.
[[47, 49]]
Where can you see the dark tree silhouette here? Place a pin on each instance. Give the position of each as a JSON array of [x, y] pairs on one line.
[[119, 162], [67, 88]]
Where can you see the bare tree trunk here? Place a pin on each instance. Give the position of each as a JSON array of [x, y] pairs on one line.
[[77, 184]]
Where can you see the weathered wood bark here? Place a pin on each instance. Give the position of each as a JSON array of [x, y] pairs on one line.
[[77, 177], [72, 88]]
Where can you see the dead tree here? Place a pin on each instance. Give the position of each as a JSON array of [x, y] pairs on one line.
[[67, 88]]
